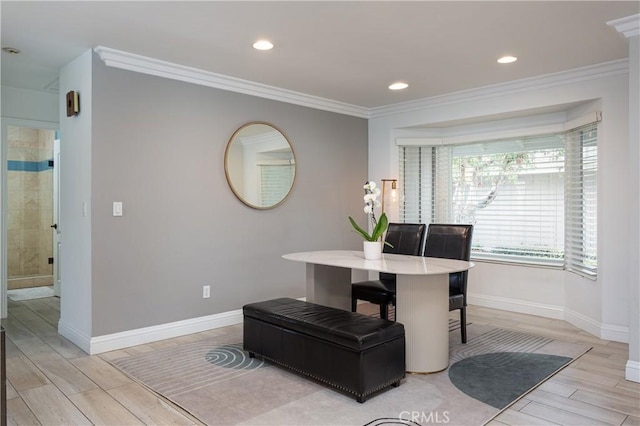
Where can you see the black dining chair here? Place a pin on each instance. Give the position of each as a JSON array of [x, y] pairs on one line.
[[406, 238], [452, 242]]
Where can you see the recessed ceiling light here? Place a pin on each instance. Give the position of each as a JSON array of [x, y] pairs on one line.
[[398, 85], [507, 59], [263, 45], [11, 50]]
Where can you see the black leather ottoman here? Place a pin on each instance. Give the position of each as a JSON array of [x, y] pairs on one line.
[[349, 351]]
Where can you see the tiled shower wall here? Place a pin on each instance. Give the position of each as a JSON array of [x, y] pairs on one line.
[[29, 207]]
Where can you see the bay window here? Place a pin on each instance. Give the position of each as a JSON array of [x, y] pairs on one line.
[[532, 199]]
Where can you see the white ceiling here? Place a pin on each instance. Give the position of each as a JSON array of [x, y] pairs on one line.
[[347, 51]]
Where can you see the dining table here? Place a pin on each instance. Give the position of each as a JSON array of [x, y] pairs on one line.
[[422, 296]]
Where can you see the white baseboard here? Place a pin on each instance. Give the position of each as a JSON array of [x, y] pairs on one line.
[[583, 322], [141, 336], [610, 332], [615, 333], [632, 371], [110, 342], [78, 338], [515, 305]]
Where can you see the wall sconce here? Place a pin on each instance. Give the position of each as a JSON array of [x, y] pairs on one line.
[[73, 103], [394, 185]]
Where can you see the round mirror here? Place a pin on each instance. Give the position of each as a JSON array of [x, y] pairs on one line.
[[260, 165]]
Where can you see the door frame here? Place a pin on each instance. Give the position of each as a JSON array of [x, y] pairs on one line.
[[57, 283], [5, 123]]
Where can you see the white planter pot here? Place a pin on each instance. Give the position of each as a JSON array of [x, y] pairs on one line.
[[372, 250]]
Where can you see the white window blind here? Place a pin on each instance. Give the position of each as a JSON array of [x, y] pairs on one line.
[[275, 182], [581, 201], [530, 199], [417, 174]]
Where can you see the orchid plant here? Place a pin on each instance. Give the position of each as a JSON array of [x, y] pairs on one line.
[[371, 194]]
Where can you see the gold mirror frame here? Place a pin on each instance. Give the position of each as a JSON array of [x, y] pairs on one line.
[[252, 146]]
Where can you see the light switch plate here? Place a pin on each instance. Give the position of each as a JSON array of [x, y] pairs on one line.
[[117, 208]]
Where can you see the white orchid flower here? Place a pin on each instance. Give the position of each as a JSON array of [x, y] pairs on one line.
[[372, 192]]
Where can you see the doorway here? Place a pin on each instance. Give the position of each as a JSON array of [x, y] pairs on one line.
[[30, 212]]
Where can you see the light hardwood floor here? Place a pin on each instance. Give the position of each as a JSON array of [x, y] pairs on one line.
[[52, 382]]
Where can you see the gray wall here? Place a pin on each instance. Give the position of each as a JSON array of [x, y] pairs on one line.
[[158, 146]]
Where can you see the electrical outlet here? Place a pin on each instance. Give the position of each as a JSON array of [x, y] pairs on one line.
[[206, 291], [117, 208]]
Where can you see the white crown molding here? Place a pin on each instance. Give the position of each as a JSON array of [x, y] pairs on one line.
[[629, 26], [142, 64], [591, 72]]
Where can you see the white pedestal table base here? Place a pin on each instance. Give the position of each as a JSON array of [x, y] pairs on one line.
[[422, 305], [329, 286]]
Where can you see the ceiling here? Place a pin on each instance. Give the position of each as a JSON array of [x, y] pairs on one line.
[[347, 51]]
